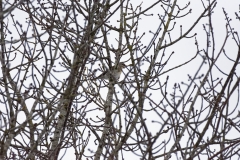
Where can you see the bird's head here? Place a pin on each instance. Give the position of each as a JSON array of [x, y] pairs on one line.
[[121, 65]]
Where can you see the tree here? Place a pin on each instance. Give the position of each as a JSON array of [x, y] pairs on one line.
[[53, 104]]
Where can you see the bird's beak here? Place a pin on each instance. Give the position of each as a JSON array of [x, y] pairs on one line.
[[124, 65]]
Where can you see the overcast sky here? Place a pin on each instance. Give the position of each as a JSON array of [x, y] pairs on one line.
[[185, 49]]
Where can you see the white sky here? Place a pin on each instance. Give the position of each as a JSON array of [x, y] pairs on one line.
[[184, 50]]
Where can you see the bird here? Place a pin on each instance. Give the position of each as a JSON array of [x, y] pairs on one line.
[[115, 72]]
